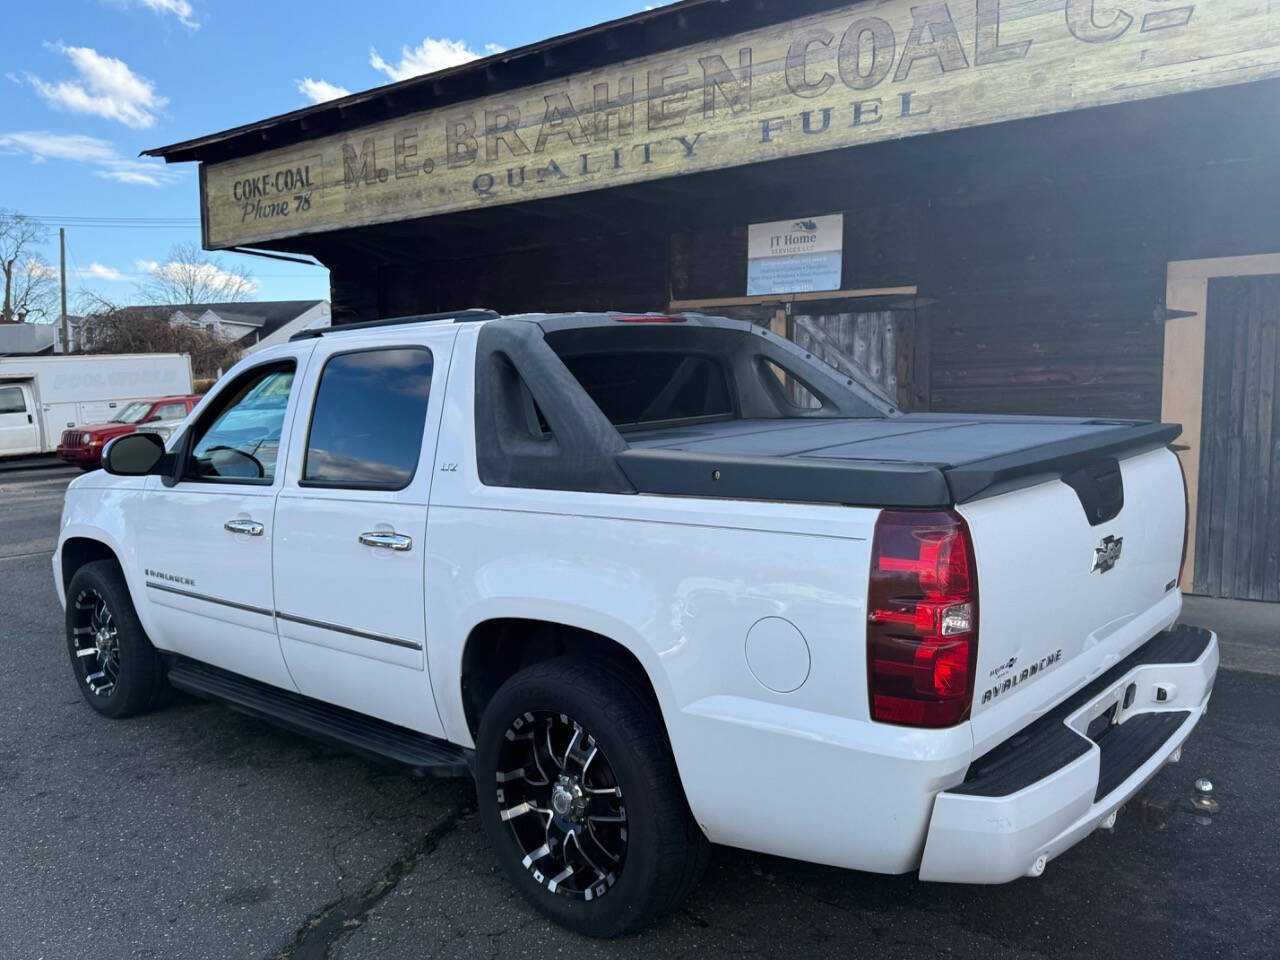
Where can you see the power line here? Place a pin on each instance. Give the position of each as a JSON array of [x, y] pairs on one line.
[[52, 217], [81, 224]]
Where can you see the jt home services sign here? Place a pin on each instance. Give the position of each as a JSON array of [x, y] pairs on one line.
[[871, 71], [795, 256]]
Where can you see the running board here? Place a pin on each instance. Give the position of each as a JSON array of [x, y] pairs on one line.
[[423, 755]]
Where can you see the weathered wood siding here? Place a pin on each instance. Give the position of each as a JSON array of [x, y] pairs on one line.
[[576, 271], [1049, 300], [1039, 248]]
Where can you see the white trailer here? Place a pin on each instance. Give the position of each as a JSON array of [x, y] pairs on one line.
[[42, 396]]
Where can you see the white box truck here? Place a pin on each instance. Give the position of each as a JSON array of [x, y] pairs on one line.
[[42, 396]]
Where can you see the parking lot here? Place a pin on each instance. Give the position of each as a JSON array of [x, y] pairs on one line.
[[197, 832]]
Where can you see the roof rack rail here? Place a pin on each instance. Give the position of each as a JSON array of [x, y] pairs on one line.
[[457, 316]]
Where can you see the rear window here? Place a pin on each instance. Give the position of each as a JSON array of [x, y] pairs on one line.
[[636, 387], [169, 411]]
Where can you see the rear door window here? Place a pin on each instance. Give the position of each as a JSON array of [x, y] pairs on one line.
[[369, 417]]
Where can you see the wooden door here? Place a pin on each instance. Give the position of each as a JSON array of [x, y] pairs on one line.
[[1238, 516], [871, 344]]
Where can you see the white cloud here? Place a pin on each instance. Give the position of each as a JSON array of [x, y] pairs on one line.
[[179, 8], [429, 56], [100, 155], [106, 87], [38, 268], [208, 276], [318, 91], [98, 271]]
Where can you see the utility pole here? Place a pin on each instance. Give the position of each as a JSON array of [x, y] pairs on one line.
[[62, 254]]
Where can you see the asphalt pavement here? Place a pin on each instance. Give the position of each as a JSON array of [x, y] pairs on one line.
[[196, 832]]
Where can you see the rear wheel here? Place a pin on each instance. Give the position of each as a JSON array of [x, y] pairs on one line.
[[118, 670], [580, 796]]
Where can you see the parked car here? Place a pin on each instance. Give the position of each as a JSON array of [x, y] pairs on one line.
[[41, 397], [83, 445], [608, 566]]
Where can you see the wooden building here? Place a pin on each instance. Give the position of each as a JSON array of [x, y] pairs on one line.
[[1051, 207]]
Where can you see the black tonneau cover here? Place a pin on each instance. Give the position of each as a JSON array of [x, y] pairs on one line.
[[537, 427], [916, 460]]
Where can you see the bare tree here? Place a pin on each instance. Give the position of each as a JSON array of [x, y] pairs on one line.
[[192, 276], [30, 284], [107, 328]]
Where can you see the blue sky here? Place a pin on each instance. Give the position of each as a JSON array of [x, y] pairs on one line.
[[85, 86]]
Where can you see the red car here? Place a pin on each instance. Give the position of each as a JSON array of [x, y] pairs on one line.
[[83, 445]]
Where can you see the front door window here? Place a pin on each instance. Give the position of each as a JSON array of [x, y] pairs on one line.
[[240, 442], [12, 400]]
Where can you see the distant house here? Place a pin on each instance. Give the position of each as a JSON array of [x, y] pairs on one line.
[[252, 326]]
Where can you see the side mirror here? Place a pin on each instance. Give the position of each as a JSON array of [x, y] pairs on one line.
[[133, 455]]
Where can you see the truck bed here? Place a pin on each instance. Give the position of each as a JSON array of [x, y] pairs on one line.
[[915, 460]]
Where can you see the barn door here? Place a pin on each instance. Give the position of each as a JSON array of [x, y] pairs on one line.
[[871, 345], [1238, 516]]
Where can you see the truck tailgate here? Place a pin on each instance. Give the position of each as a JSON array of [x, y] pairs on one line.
[[1063, 599]]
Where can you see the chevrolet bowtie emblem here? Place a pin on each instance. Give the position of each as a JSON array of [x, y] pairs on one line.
[[1107, 554]]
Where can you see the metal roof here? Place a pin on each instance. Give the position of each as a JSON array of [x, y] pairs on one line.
[[652, 31]]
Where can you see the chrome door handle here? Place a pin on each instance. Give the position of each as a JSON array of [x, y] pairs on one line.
[[248, 527], [387, 541]]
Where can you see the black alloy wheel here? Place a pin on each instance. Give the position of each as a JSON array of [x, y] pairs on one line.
[[119, 672], [559, 795], [95, 642], [580, 796]]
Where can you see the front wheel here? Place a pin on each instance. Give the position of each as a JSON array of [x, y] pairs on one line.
[[119, 672], [579, 794]]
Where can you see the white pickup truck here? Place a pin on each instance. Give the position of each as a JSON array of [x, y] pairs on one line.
[[610, 566]]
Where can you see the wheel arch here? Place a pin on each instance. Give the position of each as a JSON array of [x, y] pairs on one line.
[[500, 647], [77, 551], [81, 543]]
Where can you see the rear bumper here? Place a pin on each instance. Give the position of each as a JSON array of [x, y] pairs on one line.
[[1050, 786]]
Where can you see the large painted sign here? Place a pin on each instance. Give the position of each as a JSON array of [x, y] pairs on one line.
[[871, 71]]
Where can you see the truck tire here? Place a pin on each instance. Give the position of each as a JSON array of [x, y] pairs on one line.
[[580, 796], [118, 670]]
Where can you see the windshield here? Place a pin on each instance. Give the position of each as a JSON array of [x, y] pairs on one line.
[[133, 413]]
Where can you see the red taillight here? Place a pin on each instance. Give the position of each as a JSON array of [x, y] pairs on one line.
[[922, 623]]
